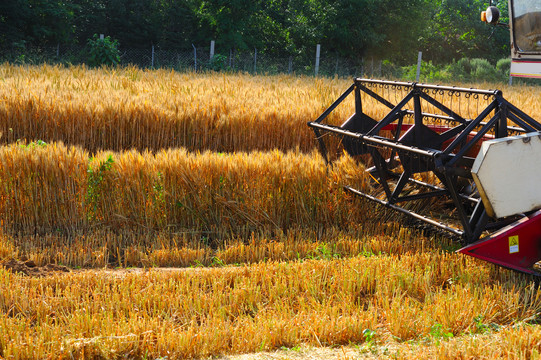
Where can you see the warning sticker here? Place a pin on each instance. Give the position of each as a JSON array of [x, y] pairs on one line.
[[513, 244]]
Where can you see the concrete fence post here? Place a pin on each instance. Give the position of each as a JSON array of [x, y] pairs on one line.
[[255, 60], [290, 68], [419, 63], [194, 57], [318, 53]]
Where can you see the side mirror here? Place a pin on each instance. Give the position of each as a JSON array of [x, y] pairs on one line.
[[491, 15]]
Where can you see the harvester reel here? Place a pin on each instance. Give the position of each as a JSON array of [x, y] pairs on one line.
[[420, 150]]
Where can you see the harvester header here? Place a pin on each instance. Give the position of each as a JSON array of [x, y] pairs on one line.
[[465, 161], [446, 156]]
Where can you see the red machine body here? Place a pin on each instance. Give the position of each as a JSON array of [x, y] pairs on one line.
[[516, 246]]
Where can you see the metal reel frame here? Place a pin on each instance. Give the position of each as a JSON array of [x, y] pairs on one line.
[[447, 151]]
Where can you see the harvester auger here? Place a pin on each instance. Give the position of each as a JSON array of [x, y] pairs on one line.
[[462, 160]]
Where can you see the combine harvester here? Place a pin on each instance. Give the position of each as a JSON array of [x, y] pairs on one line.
[[463, 160]]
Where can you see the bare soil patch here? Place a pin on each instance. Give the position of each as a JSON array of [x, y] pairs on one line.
[[30, 268]]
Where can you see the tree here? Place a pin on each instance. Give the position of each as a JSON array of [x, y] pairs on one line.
[[457, 32], [180, 25], [230, 21], [13, 18], [35, 21], [134, 23]]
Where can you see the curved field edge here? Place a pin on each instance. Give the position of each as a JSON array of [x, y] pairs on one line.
[[175, 208], [267, 306], [60, 190]]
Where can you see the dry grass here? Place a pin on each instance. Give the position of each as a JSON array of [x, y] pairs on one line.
[[260, 307], [105, 249], [520, 341]]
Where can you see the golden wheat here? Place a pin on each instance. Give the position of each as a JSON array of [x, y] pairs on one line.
[[53, 188], [366, 282], [129, 108], [132, 108]]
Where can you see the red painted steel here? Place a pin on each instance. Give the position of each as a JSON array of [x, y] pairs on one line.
[[516, 246], [441, 129]]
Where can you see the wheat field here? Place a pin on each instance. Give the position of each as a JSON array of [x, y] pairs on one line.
[[129, 108], [153, 214]]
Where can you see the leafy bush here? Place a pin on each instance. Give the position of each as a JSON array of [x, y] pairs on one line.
[[464, 69], [503, 66], [429, 72], [218, 62], [103, 51], [390, 70], [460, 70], [482, 70]]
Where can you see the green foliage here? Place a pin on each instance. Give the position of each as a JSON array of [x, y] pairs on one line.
[[326, 252], [35, 21], [103, 51], [391, 70], [481, 327], [445, 30], [438, 332], [96, 178], [479, 70], [429, 72], [503, 66], [32, 144], [483, 70], [369, 336], [455, 31], [463, 70], [218, 62]]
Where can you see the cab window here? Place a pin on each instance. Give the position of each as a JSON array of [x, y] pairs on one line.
[[527, 25]]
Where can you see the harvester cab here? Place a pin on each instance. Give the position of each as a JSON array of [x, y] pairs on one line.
[[462, 160], [525, 26]]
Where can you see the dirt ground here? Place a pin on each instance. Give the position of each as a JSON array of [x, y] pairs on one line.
[[311, 353], [30, 268]]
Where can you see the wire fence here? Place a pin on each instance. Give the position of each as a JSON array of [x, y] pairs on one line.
[[201, 59]]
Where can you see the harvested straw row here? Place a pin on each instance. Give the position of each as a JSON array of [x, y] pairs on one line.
[[53, 188], [201, 313], [101, 249]]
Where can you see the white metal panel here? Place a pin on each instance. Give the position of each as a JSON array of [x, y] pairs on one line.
[[526, 68], [507, 173]]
